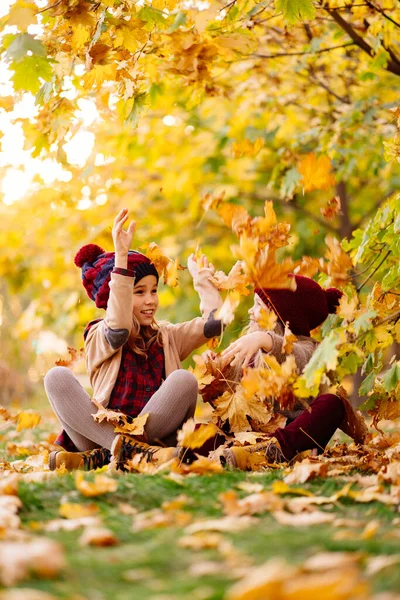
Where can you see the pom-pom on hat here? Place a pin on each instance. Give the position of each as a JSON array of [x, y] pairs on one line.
[[304, 308], [97, 264]]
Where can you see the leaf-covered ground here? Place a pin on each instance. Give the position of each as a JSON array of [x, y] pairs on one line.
[[200, 537]]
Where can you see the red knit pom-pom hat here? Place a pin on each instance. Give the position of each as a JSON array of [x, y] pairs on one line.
[[97, 264], [305, 308]]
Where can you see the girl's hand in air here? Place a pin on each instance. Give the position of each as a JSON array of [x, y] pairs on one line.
[[122, 239], [242, 350], [196, 265]]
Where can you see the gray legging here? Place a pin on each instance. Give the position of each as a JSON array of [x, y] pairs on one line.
[[172, 405]]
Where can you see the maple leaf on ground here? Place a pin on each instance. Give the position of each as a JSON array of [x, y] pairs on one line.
[[332, 208], [201, 372], [101, 485], [316, 173], [98, 536], [305, 471]]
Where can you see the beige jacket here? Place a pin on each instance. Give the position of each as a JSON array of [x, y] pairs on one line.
[[104, 341]]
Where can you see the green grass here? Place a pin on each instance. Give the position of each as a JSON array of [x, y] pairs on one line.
[[151, 565]]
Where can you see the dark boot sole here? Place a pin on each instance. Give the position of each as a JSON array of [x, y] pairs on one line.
[[53, 460]]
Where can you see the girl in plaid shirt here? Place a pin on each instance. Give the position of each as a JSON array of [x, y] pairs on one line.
[[134, 363]]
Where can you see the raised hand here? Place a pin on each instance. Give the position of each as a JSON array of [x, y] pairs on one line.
[[196, 265], [242, 350], [122, 239]]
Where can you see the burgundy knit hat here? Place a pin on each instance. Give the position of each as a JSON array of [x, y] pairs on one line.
[[97, 264], [305, 308]]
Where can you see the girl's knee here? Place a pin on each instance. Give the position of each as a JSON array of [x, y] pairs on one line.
[[58, 377], [332, 403], [186, 380]]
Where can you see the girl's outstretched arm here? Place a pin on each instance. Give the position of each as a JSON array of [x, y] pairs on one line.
[[201, 270]]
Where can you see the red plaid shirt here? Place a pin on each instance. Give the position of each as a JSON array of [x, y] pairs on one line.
[[138, 379]]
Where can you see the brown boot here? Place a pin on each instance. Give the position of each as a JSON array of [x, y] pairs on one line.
[[254, 457], [92, 459], [126, 447]]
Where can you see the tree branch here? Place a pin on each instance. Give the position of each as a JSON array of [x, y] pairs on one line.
[[392, 66], [49, 7], [279, 54], [328, 89], [374, 271], [380, 10]]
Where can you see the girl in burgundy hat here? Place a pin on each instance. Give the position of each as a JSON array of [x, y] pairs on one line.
[[303, 309], [134, 363]]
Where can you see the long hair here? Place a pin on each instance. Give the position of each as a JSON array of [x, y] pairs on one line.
[[143, 337]]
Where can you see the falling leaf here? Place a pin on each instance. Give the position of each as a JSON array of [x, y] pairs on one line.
[[101, 485], [28, 420], [235, 408], [332, 208], [191, 437], [246, 147], [226, 313], [235, 280], [289, 340], [316, 173], [123, 423], [75, 356]]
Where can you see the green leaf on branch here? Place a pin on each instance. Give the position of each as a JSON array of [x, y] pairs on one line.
[[29, 72], [139, 105], [367, 384], [324, 359], [364, 321], [22, 44], [391, 378], [296, 10]]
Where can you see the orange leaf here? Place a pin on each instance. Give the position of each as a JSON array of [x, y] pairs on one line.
[[316, 173]]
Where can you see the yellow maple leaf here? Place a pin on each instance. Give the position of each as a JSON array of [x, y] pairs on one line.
[[101, 485], [316, 173], [246, 147], [79, 37], [28, 420], [227, 311], [190, 437], [210, 202], [98, 74], [171, 272], [267, 319], [22, 14], [234, 216], [123, 423], [157, 257], [289, 339], [236, 407], [201, 372], [235, 280], [347, 307], [338, 263]]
